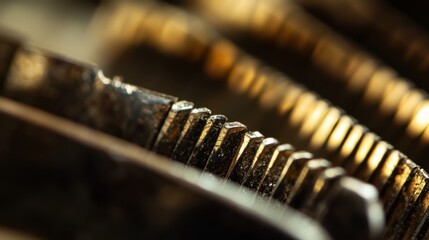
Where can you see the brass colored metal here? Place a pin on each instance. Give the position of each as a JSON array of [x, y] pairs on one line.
[[386, 168], [405, 205], [363, 150], [133, 184], [396, 182], [127, 111], [377, 89], [339, 135], [312, 120], [386, 28], [253, 79], [332, 133], [422, 227], [368, 168], [315, 118], [324, 129], [388, 103], [418, 216], [348, 146]]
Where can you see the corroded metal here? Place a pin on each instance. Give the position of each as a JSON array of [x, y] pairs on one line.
[[374, 93], [226, 149], [189, 136], [306, 180], [206, 141], [281, 158], [324, 128], [377, 94], [290, 174], [159, 123], [260, 164], [116, 189], [172, 127]]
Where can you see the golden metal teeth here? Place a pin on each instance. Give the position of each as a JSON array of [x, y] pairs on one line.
[[212, 144], [377, 89], [320, 126], [46, 157], [376, 94], [404, 221]]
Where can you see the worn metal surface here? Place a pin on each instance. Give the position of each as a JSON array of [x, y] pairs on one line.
[[330, 64], [63, 180], [160, 123], [190, 134], [388, 103], [376, 94], [83, 94]]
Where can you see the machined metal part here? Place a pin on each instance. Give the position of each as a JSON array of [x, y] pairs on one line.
[[307, 179], [319, 191], [249, 148], [346, 198], [172, 127], [290, 175], [270, 173], [206, 141], [325, 129], [62, 179], [190, 134], [377, 95], [82, 93], [280, 159], [226, 149], [405, 206], [160, 123], [260, 164]]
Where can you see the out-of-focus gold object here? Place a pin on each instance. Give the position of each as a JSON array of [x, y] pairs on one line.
[[290, 69]]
